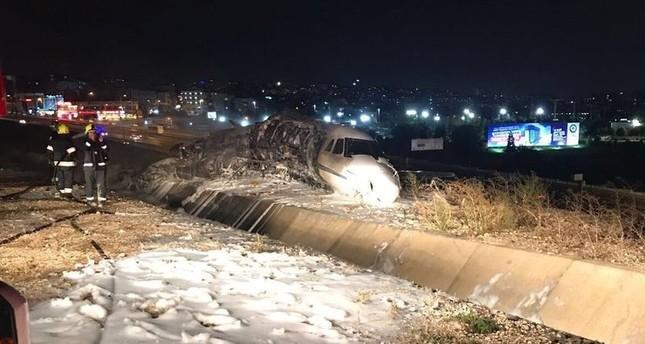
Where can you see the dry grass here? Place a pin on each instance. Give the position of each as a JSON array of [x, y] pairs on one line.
[[597, 230], [454, 206], [395, 311], [519, 212], [363, 296], [34, 263], [465, 323], [259, 244], [435, 333], [413, 185]]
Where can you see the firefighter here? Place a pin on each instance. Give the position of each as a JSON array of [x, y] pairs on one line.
[[95, 165], [63, 160]]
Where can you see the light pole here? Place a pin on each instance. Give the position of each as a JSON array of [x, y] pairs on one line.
[[503, 112]]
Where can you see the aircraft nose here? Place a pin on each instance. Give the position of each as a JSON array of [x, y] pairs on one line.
[[384, 187], [376, 184]]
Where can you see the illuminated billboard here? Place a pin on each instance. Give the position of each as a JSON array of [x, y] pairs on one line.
[[50, 103], [534, 134]]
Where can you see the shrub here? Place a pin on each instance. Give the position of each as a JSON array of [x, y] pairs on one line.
[[581, 223], [478, 323], [465, 203], [467, 139]]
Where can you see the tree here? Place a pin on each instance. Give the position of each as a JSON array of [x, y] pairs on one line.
[[467, 139], [439, 131]]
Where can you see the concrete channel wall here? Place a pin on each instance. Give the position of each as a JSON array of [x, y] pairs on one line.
[[589, 299]]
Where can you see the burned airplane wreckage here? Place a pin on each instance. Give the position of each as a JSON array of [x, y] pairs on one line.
[[342, 159]]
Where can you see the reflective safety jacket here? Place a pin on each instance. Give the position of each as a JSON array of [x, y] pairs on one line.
[[96, 154], [62, 151]]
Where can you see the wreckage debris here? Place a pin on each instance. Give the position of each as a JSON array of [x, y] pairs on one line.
[[283, 145], [289, 147]]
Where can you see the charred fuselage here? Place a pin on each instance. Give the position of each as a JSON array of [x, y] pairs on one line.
[[290, 146]]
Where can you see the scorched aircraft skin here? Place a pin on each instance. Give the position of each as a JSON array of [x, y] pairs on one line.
[[294, 147]]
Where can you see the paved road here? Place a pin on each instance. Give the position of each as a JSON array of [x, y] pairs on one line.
[[127, 131]]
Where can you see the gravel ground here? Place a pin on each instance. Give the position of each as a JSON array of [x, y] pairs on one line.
[[35, 263]]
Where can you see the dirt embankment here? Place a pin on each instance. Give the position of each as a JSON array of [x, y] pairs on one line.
[[35, 263]]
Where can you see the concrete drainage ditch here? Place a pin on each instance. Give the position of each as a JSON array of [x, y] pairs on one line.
[[589, 299]]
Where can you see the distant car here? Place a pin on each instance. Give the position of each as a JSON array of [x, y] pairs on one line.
[[135, 137], [22, 121]]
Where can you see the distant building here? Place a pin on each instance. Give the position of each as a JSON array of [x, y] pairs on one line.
[[220, 102], [245, 106], [623, 123], [29, 103], [145, 98], [193, 102]]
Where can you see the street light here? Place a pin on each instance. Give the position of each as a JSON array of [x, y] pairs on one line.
[[471, 115], [327, 118], [437, 118], [425, 113], [503, 111], [466, 111], [539, 111], [365, 118], [340, 114]]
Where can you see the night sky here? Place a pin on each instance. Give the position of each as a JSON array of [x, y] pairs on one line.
[[521, 47]]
